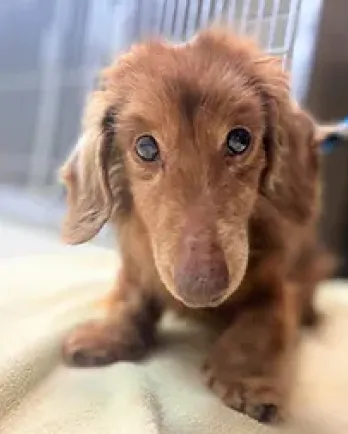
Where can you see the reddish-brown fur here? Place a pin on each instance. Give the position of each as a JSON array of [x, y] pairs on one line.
[[229, 240]]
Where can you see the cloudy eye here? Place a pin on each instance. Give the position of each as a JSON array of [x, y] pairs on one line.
[[147, 148], [238, 141]]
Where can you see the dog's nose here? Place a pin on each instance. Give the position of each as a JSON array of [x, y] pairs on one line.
[[201, 275]]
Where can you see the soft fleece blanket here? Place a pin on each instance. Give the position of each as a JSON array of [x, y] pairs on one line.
[[42, 297]]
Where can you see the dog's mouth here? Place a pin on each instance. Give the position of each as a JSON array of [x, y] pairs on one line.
[[201, 272], [206, 286], [202, 300]]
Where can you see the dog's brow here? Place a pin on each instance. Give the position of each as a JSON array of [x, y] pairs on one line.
[[190, 100], [137, 121]]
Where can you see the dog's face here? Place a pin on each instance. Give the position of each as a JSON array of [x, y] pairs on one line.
[[181, 136]]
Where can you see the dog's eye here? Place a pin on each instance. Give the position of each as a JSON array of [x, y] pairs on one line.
[[147, 149], [238, 141]]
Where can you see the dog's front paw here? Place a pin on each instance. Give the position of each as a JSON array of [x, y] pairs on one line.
[[97, 344], [258, 397]]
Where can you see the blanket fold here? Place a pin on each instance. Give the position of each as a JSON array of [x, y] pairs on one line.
[[41, 298]]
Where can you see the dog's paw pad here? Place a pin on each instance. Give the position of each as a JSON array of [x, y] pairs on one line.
[[86, 357], [91, 345], [266, 413], [255, 397]]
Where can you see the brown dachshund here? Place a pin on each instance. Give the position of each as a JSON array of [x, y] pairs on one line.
[[210, 172]]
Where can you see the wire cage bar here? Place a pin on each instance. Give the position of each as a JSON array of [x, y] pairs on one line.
[[62, 45]]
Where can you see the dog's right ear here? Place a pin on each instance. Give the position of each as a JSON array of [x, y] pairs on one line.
[[85, 175]]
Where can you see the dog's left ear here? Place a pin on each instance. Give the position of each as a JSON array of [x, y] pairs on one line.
[[291, 146]]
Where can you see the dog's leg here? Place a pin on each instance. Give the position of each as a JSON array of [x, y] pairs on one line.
[[250, 367], [313, 266], [126, 333]]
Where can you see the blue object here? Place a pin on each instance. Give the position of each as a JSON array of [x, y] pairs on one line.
[[333, 139]]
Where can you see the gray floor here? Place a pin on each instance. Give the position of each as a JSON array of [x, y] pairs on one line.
[[29, 224], [20, 240]]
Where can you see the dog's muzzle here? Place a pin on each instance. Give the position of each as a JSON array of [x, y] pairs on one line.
[[201, 276]]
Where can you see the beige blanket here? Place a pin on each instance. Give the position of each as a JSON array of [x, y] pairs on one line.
[[42, 297]]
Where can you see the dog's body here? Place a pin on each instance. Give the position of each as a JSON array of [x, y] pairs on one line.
[[210, 173]]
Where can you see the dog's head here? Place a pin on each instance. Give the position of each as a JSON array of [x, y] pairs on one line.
[[188, 138]]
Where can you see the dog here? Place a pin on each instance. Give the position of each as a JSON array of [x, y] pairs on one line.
[[209, 171]]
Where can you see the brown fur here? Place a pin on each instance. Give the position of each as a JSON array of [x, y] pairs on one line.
[[229, 240]]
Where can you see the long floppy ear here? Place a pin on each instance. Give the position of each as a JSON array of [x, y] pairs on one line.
[[292, 148], [85, 175]]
